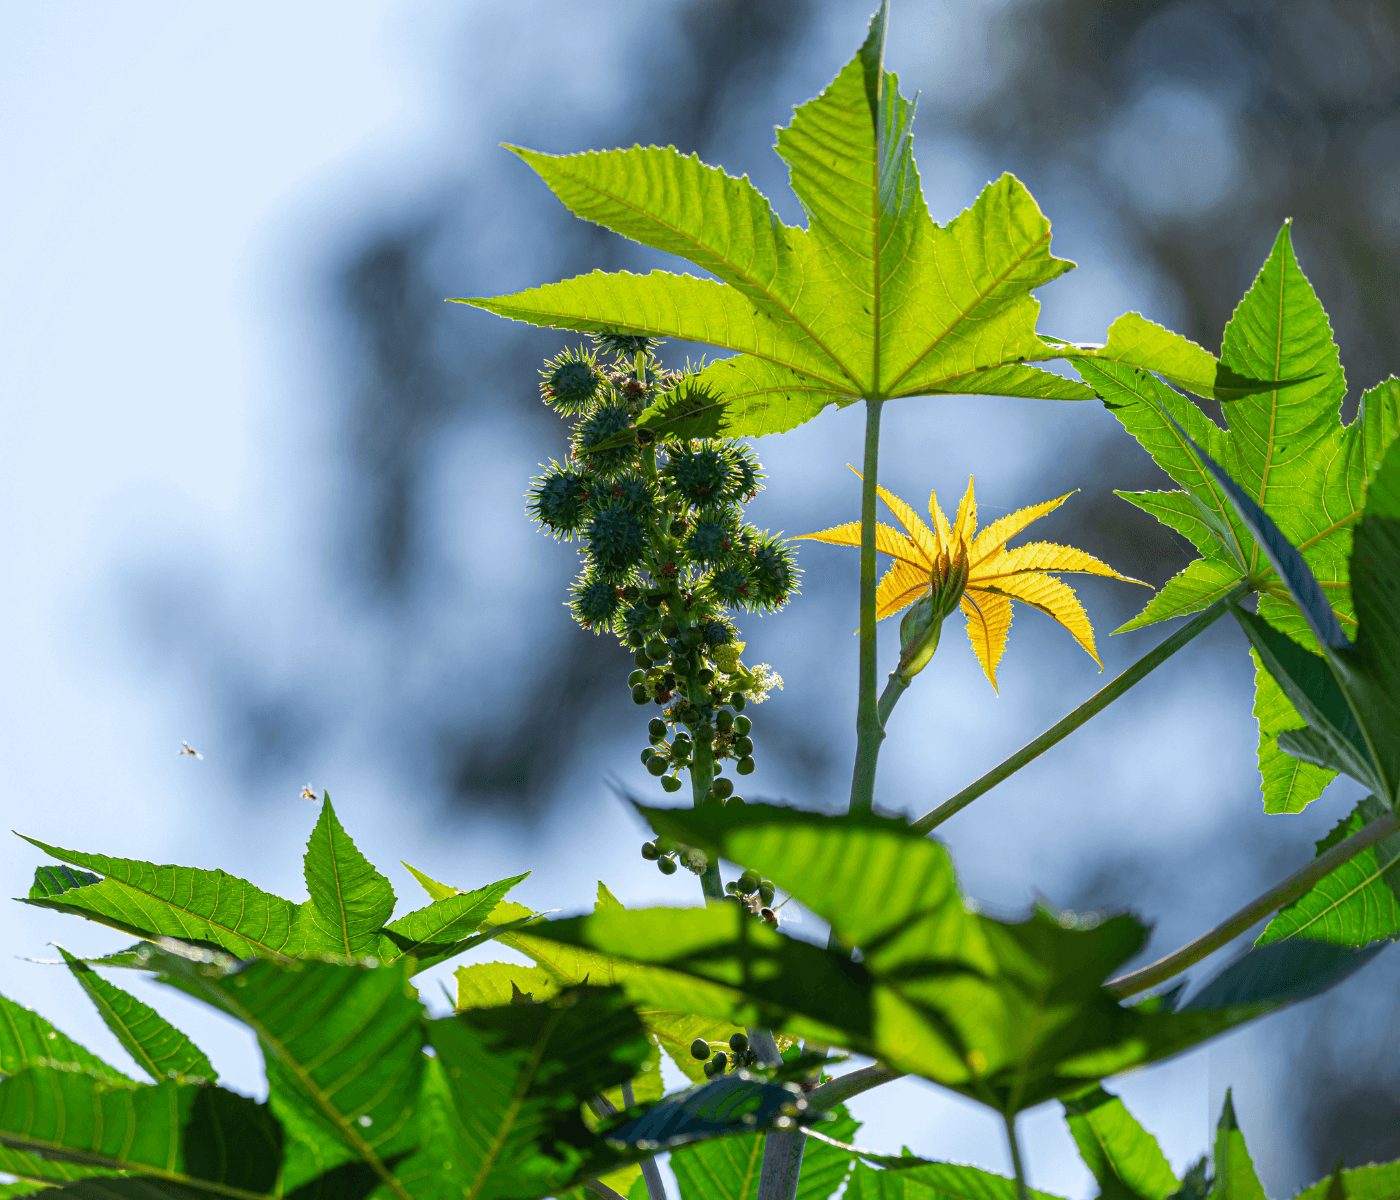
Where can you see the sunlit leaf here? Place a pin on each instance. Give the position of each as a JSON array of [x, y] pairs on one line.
[[1235, 1177], [350, 900], [1356, 904], [1123, 1157], [1286, 448], [935, 1181]]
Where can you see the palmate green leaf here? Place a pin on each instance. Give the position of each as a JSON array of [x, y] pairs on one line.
[[1009, 1014], [733, 1103], [1123, 1157], [872, 300], [343, 1045], [1378, 1181], [350, 900], [519, 1075], [1356, 904], [1235, 1177], [212, 908], [209, 1141], [161, 1050], [559, 967], [1287, 449], [935, 1181], [29, 1040], [729, 1168]]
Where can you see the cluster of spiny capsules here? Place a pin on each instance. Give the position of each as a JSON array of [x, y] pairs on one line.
[[717, 1062], [667, 556]]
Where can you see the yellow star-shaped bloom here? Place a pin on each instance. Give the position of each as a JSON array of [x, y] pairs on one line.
[[977, 571]]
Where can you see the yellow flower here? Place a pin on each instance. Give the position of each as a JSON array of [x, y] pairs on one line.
[[956, 565]]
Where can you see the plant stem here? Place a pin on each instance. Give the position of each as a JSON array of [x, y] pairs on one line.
[[1281, 894], [853, 1083], [1022, 1192], [1066, 725], [651, 1172], [869, 728], [782, 1148], [702, 775], [895, 686]]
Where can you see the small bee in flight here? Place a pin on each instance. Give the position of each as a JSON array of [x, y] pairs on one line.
[[188, 751], [308, 792]]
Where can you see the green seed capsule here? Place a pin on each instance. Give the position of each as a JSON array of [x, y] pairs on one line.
[[739, 1043], [721, 1061], [641, 694], [745, 766], [641, 659], [670, 783], [656, 727], [637, 676], [648, 754], [742, 725], [700, 1049], [657, 650], [732, 887], [724, 719], [722, 788], [735, 800], [667, 866], [657, 765], [670, 627], [650, 851], [737, 701], [704, 677], [743, 746], [748, 882], [709, 1069], [766, 892]]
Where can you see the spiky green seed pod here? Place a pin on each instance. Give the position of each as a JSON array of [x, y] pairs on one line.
[[650, 852], [700, 474], [731, 586], [667, 866], [718, 633], [748, 882], [615, 538], [624, 346], [766, 892], [670, 783], [722, 788], [570, 381], [631, 491], [657, 765], [742, 725], [712, 535], [599, 441], [739, 1043], [743, 747], [558, 499], [746, 475], [745, 766], [700, 1049], [773, 572], [594, 602]]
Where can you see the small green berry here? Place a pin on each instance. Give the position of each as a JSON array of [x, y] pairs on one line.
[[657, 650], [648, 754], [650, 851], [704, 677], [667, 866], [637, 676], [656, 727], [743, 746], [641, 694], [739, 1043], [670, 783], [745, 766], [657, 765], [742, 725], [700, 1049], [732, 887], [737, 702], [766, 892], [724, 719], [722, 788], [641, 659], [709, 1068], [670, 627], [721, 1061], [748, 882]]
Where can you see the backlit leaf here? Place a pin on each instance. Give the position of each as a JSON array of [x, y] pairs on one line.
[[1124, 1158]]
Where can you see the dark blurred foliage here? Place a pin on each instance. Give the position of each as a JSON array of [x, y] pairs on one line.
[[1181, 133]]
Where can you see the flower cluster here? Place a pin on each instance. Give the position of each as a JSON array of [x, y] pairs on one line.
[[668, 558]]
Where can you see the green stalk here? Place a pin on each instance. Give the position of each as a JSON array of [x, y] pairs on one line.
[[1022, 1192], [870, 731], [1280, 895], [1096, 703], [702, 775]]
